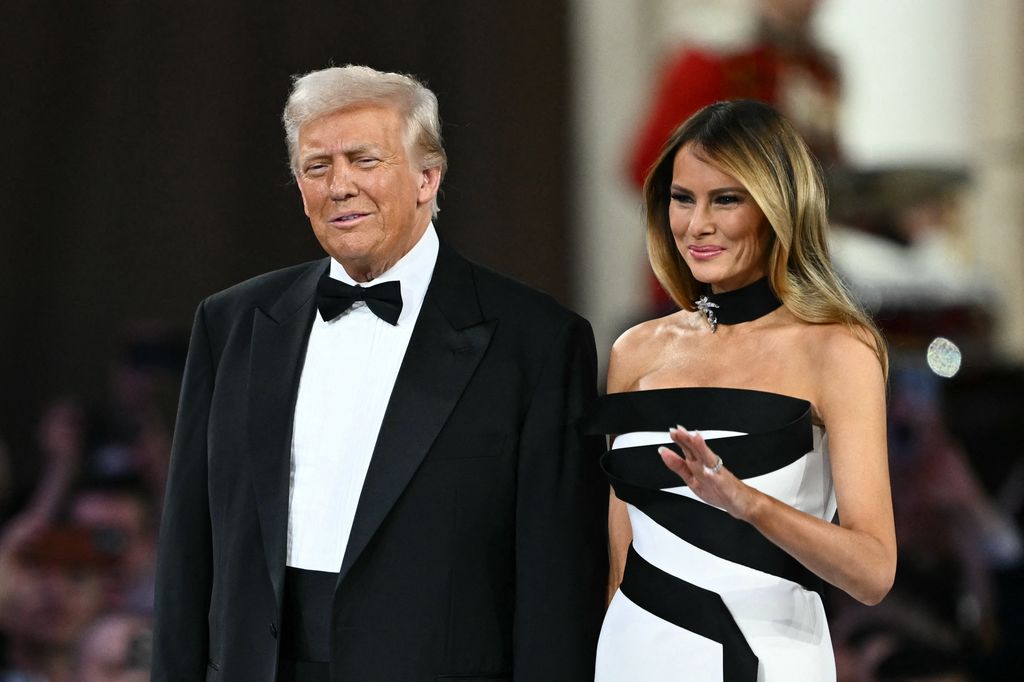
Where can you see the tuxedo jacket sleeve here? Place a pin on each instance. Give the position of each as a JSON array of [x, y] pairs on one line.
[[478, 548], [184, 567], [557, 572]]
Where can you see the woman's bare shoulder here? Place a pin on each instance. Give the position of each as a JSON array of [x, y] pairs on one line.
[[841, 347], [845, 366]]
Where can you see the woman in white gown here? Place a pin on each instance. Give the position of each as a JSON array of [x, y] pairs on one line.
[[722, 529]]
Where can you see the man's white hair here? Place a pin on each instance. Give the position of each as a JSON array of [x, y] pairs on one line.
[[319, 93]]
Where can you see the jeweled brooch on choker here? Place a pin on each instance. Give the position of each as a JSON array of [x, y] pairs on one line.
[[704, 305]]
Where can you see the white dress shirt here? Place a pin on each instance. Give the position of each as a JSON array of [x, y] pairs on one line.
[[349, 372]]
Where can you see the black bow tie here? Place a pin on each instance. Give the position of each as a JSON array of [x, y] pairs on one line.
[[334, 297]]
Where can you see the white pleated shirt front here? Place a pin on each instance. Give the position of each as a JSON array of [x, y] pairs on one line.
[[346, 382]]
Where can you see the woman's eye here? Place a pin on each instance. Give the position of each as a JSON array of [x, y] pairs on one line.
[[681, 198], [729, 199]]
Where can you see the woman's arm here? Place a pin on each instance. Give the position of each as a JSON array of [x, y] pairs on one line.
[[859, 556]]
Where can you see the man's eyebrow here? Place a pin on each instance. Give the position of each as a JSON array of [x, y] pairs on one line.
[[362, 148], [313, 152]]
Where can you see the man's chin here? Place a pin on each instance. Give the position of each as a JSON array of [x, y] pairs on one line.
[[360, 264], [347, 248]]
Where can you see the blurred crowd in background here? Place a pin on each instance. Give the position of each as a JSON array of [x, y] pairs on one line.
[[80, 511], [80, 517]]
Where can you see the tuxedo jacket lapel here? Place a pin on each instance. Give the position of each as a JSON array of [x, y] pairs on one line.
[[447, 344], [279, 338]]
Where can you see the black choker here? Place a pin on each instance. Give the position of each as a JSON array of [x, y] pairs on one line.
[[742, 305]]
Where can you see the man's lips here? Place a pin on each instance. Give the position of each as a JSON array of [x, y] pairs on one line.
[[705, 252], [348, 218]]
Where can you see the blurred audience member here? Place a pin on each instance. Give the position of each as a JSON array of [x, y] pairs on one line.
[[61, 440], [122, 516], [783, 66], [905, 253], [943, 505], [130, 435], [890, 655], [116, 648], [943, 617], [54, 592], [84, 541], [33, 577]]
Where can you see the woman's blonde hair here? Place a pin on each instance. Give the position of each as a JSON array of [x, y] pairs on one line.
[[753, 143]]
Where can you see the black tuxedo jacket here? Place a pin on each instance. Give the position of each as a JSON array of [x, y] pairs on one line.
[[478, 550]]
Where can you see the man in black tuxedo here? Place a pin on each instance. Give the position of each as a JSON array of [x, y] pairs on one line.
[[377, 473]]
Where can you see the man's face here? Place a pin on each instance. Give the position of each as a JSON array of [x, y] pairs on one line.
[[366, 198]]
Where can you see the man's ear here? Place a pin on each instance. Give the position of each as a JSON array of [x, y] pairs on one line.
[[430, 182]]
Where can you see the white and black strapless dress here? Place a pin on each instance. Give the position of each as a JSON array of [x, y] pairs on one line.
[[705, 596]]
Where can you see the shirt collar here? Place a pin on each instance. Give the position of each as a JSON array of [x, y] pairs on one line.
[[414, 270]]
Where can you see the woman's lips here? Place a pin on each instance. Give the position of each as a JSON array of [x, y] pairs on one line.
[[705, 252]]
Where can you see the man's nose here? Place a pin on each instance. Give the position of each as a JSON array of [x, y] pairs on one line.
[[342, 184]]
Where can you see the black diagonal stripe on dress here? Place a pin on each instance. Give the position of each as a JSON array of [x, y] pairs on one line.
[[692, 608], [746, 456], [778, 432], [704, 408], [715, 532], [638, 475]]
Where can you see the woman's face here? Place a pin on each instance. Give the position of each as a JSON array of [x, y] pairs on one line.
[[719, 230]]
